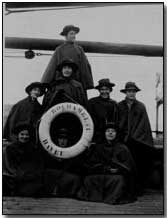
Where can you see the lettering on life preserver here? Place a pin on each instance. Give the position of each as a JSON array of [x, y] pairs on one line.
[[81, 145]]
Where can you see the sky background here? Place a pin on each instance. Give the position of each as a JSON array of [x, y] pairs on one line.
[[139, 24]]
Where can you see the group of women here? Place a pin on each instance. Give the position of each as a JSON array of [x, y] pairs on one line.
[[116, 163]]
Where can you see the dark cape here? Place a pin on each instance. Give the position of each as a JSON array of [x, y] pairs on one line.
[[136, 132], [102, 111], [25, 173], [101, 184], [22, 169], [61, 89], [73, 165], [76, 53], [26, 111], [134, 123], [69, 174]]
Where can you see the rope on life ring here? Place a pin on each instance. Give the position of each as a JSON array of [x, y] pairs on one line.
[[81, 145]]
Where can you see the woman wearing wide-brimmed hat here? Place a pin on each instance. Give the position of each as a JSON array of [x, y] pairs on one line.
[[27, 110], [69, 170], [22, 164], [70, 49], [65, 88], [26, 173], [110, 171], [136, 130], [102, 108]]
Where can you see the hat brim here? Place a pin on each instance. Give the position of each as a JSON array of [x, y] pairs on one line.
[[21, 127], [110, 86], [72, 65], [64, 33], [42, 86], [125, 90], [62, 136], [112, 126]]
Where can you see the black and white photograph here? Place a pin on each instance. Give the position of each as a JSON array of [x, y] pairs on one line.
[[83, 108]]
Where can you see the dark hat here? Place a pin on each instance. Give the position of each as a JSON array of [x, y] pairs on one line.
[[130, 86], [67, 62], [104, 82], [22, 126], [43, 87], [63, 133], [111, 125], [68, 28]]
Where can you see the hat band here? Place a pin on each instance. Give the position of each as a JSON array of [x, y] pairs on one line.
[[105, 84], [131, 88]]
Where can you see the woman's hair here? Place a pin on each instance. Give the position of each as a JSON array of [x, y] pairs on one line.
[[24, 126]]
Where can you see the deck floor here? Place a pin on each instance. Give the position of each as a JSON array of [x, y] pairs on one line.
[[150, 203]]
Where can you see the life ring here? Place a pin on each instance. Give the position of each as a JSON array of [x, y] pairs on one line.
[[81, 145]]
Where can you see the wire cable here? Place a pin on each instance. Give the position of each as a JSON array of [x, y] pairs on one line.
[[12, 56], [90, 56]]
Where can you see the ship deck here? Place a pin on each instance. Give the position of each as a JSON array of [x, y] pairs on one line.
[[151, 203]]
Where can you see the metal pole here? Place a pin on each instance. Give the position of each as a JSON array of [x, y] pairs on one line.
[[90, 47], [157, 118]]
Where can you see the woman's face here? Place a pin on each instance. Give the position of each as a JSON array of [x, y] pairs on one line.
[[110, 134], [24, 136], [62, 142], [104, 92], [131, 94], [67, 71], [71, 35], [35, 92]]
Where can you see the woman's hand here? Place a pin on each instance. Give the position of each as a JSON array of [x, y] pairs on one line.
[[113, 170]]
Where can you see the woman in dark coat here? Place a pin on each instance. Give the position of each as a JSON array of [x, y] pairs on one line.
[[27, 110], [111, 172], [25, 172], [65, 89], [22, 164], [70, 50], [69, 171], [102, 109], [136, 132]]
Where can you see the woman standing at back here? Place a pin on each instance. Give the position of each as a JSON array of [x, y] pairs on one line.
[[70, 50]]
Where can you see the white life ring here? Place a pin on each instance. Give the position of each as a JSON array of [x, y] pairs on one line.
[[81, 145]]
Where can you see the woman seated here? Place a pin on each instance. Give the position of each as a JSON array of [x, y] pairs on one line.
[[25, 173], [111, 171], [69, 170], [22, 164]]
